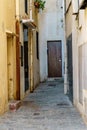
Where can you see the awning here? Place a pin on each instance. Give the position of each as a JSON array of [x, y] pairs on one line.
[[29, 23]]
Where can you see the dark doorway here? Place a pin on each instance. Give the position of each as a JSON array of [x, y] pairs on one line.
[[69, 67], [54, 58], [26, 68]]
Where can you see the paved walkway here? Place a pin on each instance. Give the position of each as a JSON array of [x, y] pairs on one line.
[[45, 109]]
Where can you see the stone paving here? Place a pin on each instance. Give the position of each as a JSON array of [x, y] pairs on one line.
[[45, 109]]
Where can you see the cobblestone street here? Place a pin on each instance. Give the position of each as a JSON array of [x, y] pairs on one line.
[[45, 109]]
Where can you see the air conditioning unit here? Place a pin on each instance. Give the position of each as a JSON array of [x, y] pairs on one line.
[[82, 4]]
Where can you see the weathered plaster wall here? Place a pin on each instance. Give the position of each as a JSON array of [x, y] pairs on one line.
[[3, 63], [36, 67], [68, 27], [67, 4], [50, 28], [21, 7], [33, 61], [20, 11], [77, 25], [7, 18], [75, 58], [43, 46], [36, 70], [68, 32], [80, 42]]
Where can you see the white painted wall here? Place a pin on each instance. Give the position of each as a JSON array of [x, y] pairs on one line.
[[78, 27], [50, 28], [80, 41]]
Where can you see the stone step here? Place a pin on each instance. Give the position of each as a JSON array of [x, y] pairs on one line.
[[14, 105]]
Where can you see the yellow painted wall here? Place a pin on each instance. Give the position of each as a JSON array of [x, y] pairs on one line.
[[36, 68], [7, 22], [8, 12], [22, 7]]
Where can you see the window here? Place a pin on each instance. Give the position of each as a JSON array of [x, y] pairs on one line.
[[26, 7], [37, 45]]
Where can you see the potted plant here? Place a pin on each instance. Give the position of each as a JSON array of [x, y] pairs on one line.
[[40, 4]]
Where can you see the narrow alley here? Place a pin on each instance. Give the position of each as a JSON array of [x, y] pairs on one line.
[[45, 109]]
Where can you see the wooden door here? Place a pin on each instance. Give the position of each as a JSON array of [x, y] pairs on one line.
[[54, 59]]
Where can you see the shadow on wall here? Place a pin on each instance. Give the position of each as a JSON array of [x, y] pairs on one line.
[[69, 67]]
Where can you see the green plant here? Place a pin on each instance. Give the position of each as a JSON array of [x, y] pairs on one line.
[[40, 4]]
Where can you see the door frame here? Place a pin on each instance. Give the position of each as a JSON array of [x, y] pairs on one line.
[[17, 61], [61, 57]]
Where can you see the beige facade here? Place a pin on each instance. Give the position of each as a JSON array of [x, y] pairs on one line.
[[77, 25], [68, 33], [14, 21], [28, 23]]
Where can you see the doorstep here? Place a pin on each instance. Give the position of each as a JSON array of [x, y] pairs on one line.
[[14, 105]]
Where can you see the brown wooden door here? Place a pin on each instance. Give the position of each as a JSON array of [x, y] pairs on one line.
[[54, 59]]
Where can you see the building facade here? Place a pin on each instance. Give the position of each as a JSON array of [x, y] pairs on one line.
[[75, 66], [68, 50], [51, 28], [19, 62], [27, 19], [7, 52]]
